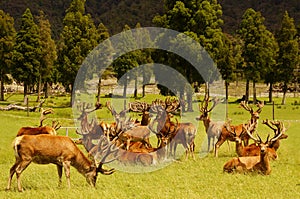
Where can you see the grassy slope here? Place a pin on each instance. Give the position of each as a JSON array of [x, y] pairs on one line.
[[202, 178]]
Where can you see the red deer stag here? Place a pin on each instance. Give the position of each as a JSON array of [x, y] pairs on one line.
[[41, 129], [127, 131], [277, 127], [180, 133], [59, 150], [141, 107], [213, 129], [226, 135], [260, 164], [250, 150]]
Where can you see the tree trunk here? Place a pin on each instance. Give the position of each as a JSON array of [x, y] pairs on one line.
[[1, 88], [39, 89], [25, 90], [189, 99], [182, 101], [254, 92], [71, 99], [271, 92], [247, 91], [144, 88], [284, 94], [226, 98], [135, 88], [46, 86], [99, 90], [125, 89]]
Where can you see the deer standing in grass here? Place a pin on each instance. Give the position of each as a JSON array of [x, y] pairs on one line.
[[176, 133], [238, 129], [58, 150], [260, 164], [212, 129]]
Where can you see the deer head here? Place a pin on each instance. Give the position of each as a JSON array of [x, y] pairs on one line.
[[204, 107], [254, 114]]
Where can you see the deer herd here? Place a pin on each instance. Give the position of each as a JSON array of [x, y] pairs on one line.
[[127, 140]]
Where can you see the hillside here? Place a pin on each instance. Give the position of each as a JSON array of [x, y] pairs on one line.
[[116, 13]]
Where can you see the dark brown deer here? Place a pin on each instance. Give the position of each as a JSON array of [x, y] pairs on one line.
[[239, 130], [259, 164], [213, 129], [141, 107], [58, 150]]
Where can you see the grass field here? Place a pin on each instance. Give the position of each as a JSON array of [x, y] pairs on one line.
[[202, 178]]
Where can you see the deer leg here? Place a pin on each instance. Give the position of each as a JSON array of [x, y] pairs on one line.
[[217, 145], [19, 169], [11, 174], [66, 165], [208, 143], [59, 171]]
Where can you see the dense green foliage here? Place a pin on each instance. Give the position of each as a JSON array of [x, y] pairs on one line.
[[288, 58], [115, 13], [7, 39], [27, 52]]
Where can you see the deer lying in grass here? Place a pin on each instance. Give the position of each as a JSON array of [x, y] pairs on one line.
[[260, 164], [226, 135], [41, 129], [58, 150], [250, 150]]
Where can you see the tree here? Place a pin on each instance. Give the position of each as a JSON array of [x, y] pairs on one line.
[[126, 62], [103, 35], [27, 54], [202, 21], [259, 50], [78, 38], [48, 54], [288, 57], [7, 41]]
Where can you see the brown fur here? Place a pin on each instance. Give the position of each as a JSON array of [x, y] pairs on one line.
[[46, 149], [36, 131]]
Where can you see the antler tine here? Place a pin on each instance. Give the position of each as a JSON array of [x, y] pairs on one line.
[[44, 113], [245, 105], [215, 101], [267, 122], [249, 129], [260, 105], [56, 125], [110, 108], [279, 132]]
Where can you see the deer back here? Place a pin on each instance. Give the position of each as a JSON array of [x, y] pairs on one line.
[[36, 131]]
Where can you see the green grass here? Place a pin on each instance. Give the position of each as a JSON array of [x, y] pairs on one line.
[[202, 178]]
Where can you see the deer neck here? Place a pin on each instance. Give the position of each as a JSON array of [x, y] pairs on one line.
[[82, 163], [206, 123], [265, 163], [239, 147]]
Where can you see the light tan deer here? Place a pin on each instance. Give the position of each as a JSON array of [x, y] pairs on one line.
[[58, 150], [212, 129]]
